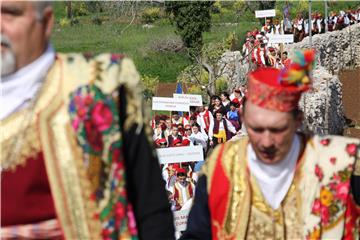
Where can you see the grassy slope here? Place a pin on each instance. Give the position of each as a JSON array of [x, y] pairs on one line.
[[134, 42]]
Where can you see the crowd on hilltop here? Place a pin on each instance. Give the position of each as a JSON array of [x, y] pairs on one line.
[[207, 126], [260, 52]]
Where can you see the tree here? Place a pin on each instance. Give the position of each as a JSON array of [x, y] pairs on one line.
[[260, 5], [191, 19]]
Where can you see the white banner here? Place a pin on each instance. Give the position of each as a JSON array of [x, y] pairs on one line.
[[180, 154], [170, 104], [195, 100], [265, 13], [281, 38], [180, 219]]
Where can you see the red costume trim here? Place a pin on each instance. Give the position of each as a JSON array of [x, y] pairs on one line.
[[218, 198]]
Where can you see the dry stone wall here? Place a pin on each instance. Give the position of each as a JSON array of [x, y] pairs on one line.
[[322, 105]]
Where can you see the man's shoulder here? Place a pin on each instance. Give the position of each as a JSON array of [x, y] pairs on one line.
[[107, 71], [333, 152], [333, 142], [226, 155]]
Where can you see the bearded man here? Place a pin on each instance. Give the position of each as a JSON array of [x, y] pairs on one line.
[[278, 183], [71, 127]]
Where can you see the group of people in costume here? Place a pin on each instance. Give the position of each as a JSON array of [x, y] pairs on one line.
[[206, 125], [78, 161], [260, 52]]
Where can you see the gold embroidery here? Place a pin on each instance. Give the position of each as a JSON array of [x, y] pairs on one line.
[[22, 128], [238, 205], [63, 159], [30, 145]]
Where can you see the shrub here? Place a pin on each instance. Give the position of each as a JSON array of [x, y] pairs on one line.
[[64, 22], [96, 20], [150, 15], [149, 84], [80, 9], [221, 85]]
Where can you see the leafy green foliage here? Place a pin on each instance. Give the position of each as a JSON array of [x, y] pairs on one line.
[[150, 15], [221, 85], [191, 20], [149, 83]]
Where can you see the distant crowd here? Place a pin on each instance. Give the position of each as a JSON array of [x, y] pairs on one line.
[[207, 126], [260, 52]]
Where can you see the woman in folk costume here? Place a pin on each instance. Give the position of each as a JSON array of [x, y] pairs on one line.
[[218, 106], [278, 183]]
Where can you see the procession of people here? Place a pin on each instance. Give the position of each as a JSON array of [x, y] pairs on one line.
[[79, 161], [259, 51]]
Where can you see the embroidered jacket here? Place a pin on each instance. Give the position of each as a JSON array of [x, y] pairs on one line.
[[319, 204], [88, 126]]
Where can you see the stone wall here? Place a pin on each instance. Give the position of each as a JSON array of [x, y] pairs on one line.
[[322, 106], [336, 51]]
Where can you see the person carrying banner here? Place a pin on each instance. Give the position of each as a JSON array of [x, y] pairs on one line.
[[278, 183], [183, 190]]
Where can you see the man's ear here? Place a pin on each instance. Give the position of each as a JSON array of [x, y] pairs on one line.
[[299, 119], [48, 21]]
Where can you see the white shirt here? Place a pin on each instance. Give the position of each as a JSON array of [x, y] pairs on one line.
[[201, 121], [230, 128], [199, 138], [19, 88], [274, 180]]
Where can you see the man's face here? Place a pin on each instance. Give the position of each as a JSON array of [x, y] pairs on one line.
[[168, 123], [27, 34], [270, 132], [181, 179], [284, 57], [176, 117], [195, 129], [175, 131], [218, 116]]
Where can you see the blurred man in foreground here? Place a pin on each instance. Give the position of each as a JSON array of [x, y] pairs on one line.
[[278, 183], [71, 130]]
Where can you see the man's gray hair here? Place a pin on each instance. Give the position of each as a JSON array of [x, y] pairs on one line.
[[40, 7]]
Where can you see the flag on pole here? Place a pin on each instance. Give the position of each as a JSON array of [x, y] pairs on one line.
[[179, 90]]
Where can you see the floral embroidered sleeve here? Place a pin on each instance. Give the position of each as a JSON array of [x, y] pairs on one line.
[[107, 117]]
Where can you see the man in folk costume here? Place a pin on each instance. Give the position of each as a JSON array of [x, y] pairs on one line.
[[272, 57], [183, 189], [221, 131], [71, 127], [176, 119], [204, 119], [261, 55], [285, 61], [175, 136], [278, 183]]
